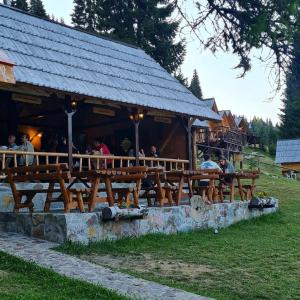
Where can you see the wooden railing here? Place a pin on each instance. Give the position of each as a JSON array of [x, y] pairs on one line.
[[82, 162], [221, 133]]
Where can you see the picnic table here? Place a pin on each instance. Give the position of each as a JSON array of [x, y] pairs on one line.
[[70, 194], [235, 181], [179, 178], [52, 174]]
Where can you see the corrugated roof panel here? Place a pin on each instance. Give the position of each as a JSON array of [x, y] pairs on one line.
[[288, 151], [201, 124], [55, 56]]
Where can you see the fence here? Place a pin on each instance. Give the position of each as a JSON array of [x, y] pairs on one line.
[[10, 158]]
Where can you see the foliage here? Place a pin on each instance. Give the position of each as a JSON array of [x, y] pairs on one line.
[[290, 117], [267, 132], [195, 87], [147, 24], [78, 15], [243, 25], [181, 78], [23, 280], [20, 4], [246, 261], [37, 8]]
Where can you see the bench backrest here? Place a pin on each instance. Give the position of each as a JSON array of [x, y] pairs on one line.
[[38, 173]]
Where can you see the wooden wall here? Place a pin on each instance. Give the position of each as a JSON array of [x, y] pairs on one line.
[[290, 166]]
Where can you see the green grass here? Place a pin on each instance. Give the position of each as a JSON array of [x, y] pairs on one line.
[[22, 280], [256, 259]]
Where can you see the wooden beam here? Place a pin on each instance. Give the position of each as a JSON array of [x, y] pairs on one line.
[[169, 137]]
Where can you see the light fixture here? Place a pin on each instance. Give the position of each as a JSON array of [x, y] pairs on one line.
[[136, 116], [38, 134]]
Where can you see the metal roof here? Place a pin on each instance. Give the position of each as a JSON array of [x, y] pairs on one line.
[[52, 55], [238, 120], [288, 151], [201, 124]]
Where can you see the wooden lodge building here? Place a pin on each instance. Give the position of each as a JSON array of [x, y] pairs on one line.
[[226, 136], [56, 81], [288, 155]]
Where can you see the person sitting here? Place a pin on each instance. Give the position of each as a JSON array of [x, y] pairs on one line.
[[100, 148], [208, 164], [12, 142], [26, 146], [154, 152], [227, 168]]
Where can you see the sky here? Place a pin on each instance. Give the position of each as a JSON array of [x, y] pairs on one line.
[[249, 96]]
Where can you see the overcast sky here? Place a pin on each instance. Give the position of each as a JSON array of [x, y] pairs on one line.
[[253, 95]]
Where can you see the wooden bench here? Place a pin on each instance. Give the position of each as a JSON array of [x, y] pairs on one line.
[[209, 193], [52, 174], [129, 175], [156, 187], [109, 177]]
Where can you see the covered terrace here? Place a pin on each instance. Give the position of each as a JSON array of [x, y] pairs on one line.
[[56, 80]]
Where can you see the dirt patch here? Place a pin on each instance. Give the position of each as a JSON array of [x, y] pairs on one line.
[[147, 264]]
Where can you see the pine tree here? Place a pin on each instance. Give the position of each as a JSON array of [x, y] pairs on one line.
[[84, 14], [145, 23], [78, 15], [90, 15], [290, 117], [181, 78], [195, 87], [37, 8], [20, 4]]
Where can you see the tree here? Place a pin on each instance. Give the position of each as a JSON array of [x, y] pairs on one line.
[[242, 25], [195, 86], [267, 132], [37, 8], [181, 78], [290, 117], [147, 24], [90, 15], [78, 15], [20, 4]]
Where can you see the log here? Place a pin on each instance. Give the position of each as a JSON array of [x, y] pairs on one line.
[[114, 212]]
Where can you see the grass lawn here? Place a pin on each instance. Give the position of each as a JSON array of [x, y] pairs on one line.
[[22, 280], [257, 259]]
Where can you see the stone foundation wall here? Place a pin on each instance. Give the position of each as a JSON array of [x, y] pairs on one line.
[[87, 227]]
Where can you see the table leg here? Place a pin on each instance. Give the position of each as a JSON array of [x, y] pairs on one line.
[[94, 193], [109, 191], [180, 188], [241, 192], [232, 190]]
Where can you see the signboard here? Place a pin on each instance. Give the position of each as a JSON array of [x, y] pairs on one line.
[[6, 69]]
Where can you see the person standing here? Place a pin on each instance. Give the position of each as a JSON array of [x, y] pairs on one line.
[[26, 146]]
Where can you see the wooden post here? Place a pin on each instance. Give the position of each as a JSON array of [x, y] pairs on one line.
[[194, 150], [137, 143], [189, 136], [70, 112]]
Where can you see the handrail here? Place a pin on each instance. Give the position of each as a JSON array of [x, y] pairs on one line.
[[87, 161]]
